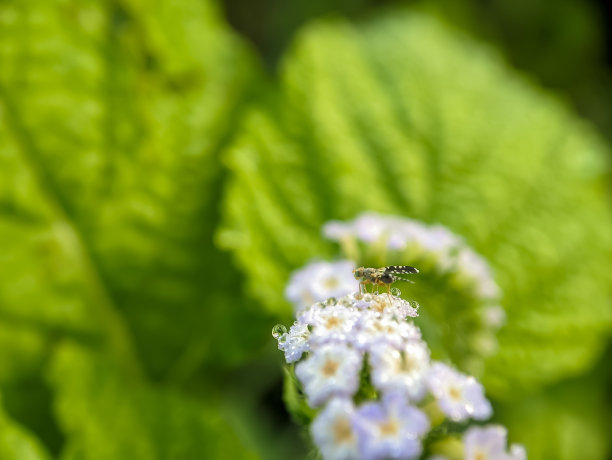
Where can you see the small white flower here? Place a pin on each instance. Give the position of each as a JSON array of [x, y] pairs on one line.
[[295, 342], [376, 328], [390, 430], [331, 324], [333, 431], [399, 232], [386, 304], [401, 308], [336, 230], [318, 281], [333, 370], [439, 239], [489, 443], [476, 268], [459, 396], [401, 370]]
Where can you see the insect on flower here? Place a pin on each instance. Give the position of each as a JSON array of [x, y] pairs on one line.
[[384, 276]]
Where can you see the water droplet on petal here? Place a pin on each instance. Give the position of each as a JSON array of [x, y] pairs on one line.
[[278, 331], [396, 292], [367, 297], [329, 302], [345, 302]]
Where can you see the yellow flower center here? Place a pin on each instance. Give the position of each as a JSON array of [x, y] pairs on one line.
[[407, 363], [330, 283], [342, 431], [455, 393], [389, 428], [330, 368]]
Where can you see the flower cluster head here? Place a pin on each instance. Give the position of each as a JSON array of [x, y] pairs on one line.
[[436, 243], [364, 368], [443, 257]]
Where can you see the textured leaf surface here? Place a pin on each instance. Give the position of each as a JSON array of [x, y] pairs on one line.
[[109, 416], [401, 115], [111, 117], [112, 114]]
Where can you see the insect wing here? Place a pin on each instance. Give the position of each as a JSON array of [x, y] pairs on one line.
[[401, 270]]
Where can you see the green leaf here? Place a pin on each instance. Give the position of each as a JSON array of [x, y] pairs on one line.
[[564, 422], [107, 415], [112, 115], [294, 399], [402, 115], [16, 443]]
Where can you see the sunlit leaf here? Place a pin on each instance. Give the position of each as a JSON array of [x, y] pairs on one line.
[[107, 415], [112, 117]]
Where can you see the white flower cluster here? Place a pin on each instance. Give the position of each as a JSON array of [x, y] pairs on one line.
[[435, 242], [364, 366]]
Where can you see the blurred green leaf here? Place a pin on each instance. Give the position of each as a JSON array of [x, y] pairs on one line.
[[17, 444], [563, 422], [403, 115], [107, 415], [112, 117]]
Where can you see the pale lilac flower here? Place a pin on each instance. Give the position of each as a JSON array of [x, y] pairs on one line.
[[318, 281], [476, 268], [489, 443], [459, 396], [333, 370], [336, 230], [401, 370], [399, 232], [390, 429], [440, 239], [295, 342], [333, 432], [370, 227]]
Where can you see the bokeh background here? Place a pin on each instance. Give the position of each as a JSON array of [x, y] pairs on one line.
[[165, 165]]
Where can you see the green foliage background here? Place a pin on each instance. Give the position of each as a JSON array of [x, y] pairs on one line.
[[157, 186]]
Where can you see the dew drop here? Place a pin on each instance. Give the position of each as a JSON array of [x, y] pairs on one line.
[[396, 292], [278, 331], [329, 302], [415, 304], [367, 297]]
